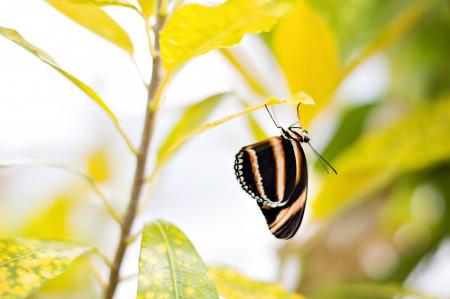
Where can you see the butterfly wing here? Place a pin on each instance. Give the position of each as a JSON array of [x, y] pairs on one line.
[[274, 172]]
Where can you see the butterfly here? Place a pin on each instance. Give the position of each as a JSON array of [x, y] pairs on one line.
[[274, 172]]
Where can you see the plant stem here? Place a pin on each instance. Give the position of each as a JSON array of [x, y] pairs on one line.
[[139, 178]]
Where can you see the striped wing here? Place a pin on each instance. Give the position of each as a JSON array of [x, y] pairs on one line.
[[274, 172]]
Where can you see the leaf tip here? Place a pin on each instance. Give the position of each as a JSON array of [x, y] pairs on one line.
[[301, 97]]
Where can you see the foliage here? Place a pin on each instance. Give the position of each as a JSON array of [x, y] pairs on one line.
[[15, 36], [193, 117], [379, 219], [233, 285], [148, 6], [92, 17], [184, 36], [382, 156], [25, 265], [307, 53], [169, 265]]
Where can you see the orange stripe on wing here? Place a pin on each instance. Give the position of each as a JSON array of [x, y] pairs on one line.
[[298, 161], [280, 167], [256, 173], [286, 213]]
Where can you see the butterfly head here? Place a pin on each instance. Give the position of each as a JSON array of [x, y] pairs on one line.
[[298, 133]]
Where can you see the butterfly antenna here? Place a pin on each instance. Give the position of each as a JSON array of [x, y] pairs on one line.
[[322, 160], [270, 114], [298, 115]]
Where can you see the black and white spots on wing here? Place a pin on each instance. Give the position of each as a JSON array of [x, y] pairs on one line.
[[274, 172]]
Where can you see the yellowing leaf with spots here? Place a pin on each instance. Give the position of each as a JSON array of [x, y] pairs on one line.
[[92, 17], [26, 265], [195, 29], [306, 50], [234, 285], [170, 267], [418, 141]]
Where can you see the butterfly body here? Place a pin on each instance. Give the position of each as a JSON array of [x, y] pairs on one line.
[[274, 172]]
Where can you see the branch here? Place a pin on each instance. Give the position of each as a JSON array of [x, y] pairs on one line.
[[155, 92]]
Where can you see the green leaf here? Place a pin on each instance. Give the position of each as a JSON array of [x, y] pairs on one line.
[[15, 36], [194, 29], [408, 55], [306, 50], [193, 117], [148, 7], [359, 26], [348, 131], [233, 285], [417, 142], [26, 265], [170, 267], [402, 24], [256, 130], [92, 17]]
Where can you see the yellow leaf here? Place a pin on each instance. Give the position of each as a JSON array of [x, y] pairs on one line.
[[418, 141], [121, 3], [306, 50], [92, 17], [194, 116], [51, 223], [233, 285], [256, 130], [15, 36], [26, 265], [194, 29], [301, 97], [148, 7], [298, 98], [98, 166]]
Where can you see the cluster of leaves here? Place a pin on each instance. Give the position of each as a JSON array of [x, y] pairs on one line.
[[387, 210], [169, 265], [314, 58]]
